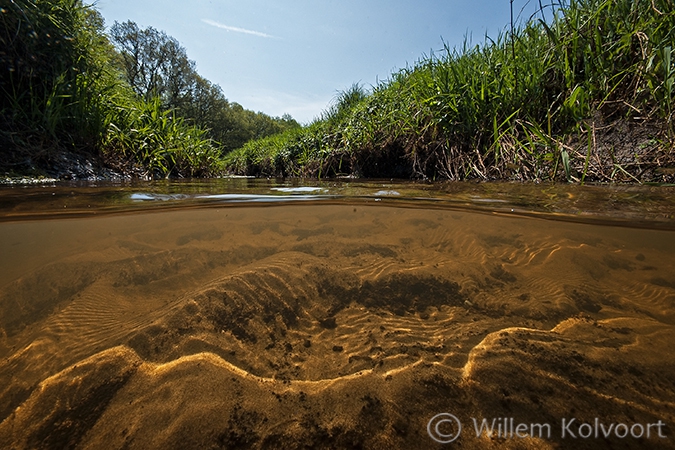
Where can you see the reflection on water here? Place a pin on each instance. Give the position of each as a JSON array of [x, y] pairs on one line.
[[342, 324]]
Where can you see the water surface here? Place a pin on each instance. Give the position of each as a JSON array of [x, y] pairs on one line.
[[257, 314]]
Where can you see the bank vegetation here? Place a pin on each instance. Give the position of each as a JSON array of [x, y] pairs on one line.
[[586, 96]]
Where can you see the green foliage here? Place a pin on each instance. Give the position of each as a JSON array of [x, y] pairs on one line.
[[343, 103], [293, 153], [155, 64], [52, 72], [160, 142], [522, 106], [233, 126]]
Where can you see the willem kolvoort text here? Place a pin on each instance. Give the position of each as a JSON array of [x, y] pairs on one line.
[[508, 428]]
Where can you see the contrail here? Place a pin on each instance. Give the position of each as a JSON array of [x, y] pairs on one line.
[[237, 29]]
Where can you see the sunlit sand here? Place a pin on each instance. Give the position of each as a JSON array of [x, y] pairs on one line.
[[342, 326]]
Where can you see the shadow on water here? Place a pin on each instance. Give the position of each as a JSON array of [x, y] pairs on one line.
[[347, 316]]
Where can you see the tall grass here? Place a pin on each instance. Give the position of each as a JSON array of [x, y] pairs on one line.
[[159, 142], [550, 101], [49, 69]]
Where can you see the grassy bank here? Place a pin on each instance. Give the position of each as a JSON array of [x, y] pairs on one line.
[[587, 96]]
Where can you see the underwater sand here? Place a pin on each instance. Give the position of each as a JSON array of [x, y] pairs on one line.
[[332, 326]]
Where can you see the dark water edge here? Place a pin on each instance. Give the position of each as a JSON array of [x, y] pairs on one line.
[[264, 314]]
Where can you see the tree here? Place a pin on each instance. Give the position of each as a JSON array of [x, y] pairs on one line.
[[155, 64]]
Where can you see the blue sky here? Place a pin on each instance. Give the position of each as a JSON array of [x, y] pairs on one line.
[[293, 56]]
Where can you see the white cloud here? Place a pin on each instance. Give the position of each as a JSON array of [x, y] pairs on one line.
[[213, 23]]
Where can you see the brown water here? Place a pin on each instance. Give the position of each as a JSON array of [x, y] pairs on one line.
[[336, 316]]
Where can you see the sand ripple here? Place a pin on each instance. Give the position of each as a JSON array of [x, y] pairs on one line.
[[333, 326]]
